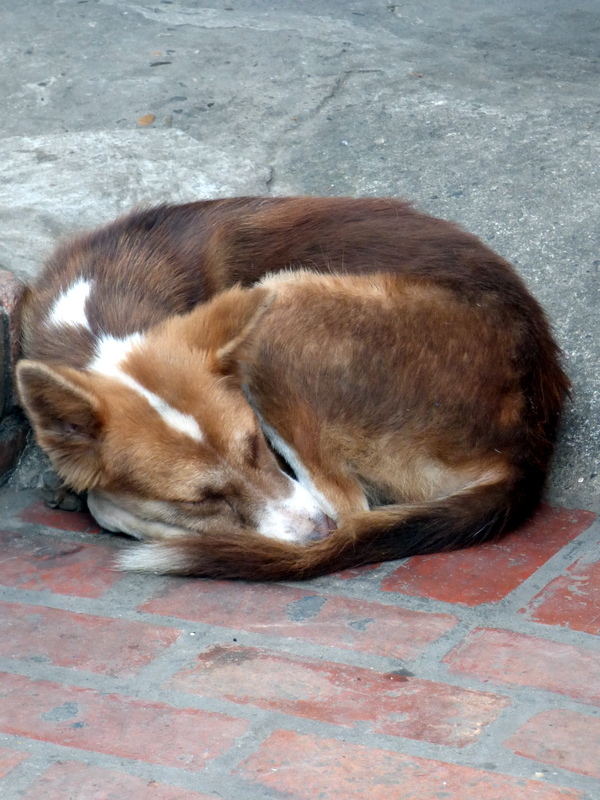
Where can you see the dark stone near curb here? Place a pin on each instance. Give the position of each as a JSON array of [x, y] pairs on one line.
[[57, 495], [13, 425], [12, 294], [13, 438]]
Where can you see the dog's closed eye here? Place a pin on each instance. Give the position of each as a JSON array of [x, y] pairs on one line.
[[204, 498]]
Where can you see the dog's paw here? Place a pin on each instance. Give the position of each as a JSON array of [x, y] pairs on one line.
[[57, 495]]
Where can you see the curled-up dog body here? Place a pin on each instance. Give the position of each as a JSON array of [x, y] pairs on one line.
[[280, 388]]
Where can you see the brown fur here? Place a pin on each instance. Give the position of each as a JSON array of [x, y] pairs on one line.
[[425, 379]]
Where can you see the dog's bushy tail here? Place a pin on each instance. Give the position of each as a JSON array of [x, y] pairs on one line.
[[478, 513]]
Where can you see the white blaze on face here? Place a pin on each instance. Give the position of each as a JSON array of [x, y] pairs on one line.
[[69, 307], [110, 354], [291, 457]]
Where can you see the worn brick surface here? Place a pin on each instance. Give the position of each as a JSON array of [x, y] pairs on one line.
[[144, 684], [35, 562], [9, 759], [305, 615], [561, 738], [39, 514], [499, 656], [487, 573], [98, 644], [69, 780], [119, 726], [391, 703], [571, 600], [307, 767]]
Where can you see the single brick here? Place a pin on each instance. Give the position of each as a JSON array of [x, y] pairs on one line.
[[513, 658], [45, 562], [9, 759], [98, 644], [69, 779], [115, 725], [561, 738], [281, 611], [39, 514], [571, 600], [307, 767], [488, 572], [391, 703]]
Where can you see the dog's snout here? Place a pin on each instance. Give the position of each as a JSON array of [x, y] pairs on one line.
[[323, 527]]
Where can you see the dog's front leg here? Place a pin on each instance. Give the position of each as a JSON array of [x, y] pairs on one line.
[[57, 495]]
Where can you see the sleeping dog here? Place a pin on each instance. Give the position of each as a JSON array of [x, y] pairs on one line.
[[280, 388]]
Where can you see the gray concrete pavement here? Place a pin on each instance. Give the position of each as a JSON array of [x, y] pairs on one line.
[[484, 113]]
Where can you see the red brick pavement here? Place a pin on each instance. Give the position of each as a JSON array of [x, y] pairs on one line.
[[572, 600], [562, 738], [464, 676], [488, 573], [306, 767], [9, 759], [74, 780]]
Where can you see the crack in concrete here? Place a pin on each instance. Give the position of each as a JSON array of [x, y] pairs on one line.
[[338, 85]]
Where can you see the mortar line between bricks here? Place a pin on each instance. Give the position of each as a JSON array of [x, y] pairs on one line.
[[588, 540], [205, 780], [490, 745], [508, 762], [184, 779], [472, 616], [294, 647], [267, 721], [534, 700], [212, 634], [55, 600], [252, 740], [104, 606], [21, 777], [518, 597], [207, 633], [135, 689], [354, 589]]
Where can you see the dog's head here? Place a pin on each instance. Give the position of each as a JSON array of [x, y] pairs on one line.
[[160, 433]]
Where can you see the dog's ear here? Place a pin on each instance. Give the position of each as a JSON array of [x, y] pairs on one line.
[[246, 311], [66, 418], [223, 326]]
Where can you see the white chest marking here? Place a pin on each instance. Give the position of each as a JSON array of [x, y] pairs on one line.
[[69, 307], [110, 353]]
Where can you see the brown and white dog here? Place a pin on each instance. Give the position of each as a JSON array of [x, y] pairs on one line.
[[394, 365]]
